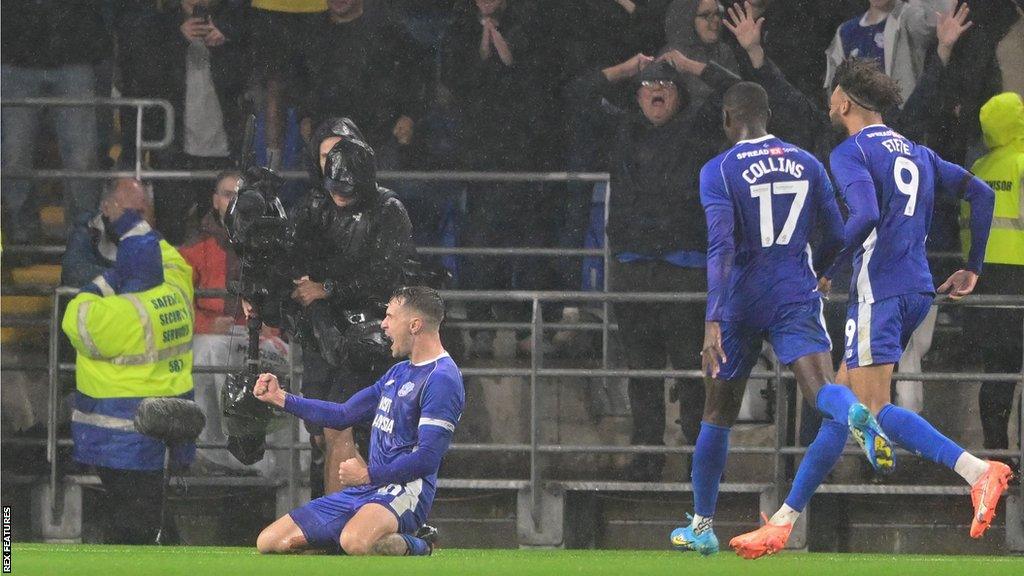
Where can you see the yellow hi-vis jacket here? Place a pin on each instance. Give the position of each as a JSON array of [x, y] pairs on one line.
[[1002, 121], [130, 347], [291, 6], [135, 345]]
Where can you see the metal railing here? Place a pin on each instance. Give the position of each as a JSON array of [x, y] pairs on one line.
[[536, 374], [140, 144]]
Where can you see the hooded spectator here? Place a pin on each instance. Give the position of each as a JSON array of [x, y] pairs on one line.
[[694, 28], [1002, 120]]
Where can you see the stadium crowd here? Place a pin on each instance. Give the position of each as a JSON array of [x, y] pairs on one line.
[[630, 87]]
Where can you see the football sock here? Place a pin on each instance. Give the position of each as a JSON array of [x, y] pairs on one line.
[[708, 465], [417, 546], [821, 456], [785, 516], [701, 524], [970, 467], [834, 401], [915, 434]]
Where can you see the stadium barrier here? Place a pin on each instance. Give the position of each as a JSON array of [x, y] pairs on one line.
[[140, 144], [540, 501]]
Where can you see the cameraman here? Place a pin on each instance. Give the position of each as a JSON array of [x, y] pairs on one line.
[[354, 238]]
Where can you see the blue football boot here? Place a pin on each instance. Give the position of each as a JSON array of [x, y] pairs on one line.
[[683, 539], [876, 445]]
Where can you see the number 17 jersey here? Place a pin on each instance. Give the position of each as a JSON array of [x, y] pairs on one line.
[[762, 198], [905, 176]]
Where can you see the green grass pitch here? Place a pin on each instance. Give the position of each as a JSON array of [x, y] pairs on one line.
[[85, 560]]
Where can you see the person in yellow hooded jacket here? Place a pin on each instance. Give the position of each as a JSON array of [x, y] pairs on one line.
[[131, 328], [998, 332]]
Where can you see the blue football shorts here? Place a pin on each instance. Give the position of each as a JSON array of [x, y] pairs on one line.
[[323, 519], [877, 332], [794, 331]]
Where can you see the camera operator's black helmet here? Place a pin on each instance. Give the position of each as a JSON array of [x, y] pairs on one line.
[[350, 168]]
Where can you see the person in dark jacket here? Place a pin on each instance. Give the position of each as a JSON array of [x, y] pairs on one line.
[[656, 229], [490, 62], [196, 56], [48, 49], [606, 32], [797, 32], [356, 238], [487, 58], [362, 64], [694, 28], [597, 34]]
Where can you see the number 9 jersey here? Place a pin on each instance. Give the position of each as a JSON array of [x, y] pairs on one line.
[[905, 177]]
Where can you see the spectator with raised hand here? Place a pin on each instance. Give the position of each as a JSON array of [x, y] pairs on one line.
[[798, 119], [895, 33], [795, 34], [656, 230], [795, 117], [694, 28], [984, 62], [195, 56], [488, 62]]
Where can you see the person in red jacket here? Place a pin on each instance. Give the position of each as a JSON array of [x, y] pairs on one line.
[[213, 261]]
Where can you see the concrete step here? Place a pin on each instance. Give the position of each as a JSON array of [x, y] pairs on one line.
[[25, 305], [36, 274], [52, 217]]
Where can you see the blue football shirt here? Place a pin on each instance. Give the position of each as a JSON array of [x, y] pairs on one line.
[[905, 178], [411, 396], [762, 198], [863, 40]]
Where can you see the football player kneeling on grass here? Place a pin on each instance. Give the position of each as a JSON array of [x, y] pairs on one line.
[[413, 408]]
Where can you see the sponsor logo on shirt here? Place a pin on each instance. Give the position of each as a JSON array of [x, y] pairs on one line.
[[389, 382], [383, 423], [771, 151], [883, 134]]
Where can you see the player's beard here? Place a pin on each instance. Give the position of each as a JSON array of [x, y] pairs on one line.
[[839, 131]]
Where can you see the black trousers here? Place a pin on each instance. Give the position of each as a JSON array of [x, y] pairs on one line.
[[501, 216], [996, 333], [321, 381], [132, 505], [653, 333]]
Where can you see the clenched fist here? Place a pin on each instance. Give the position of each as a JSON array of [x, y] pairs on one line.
[[353, 472], [268, 390]]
